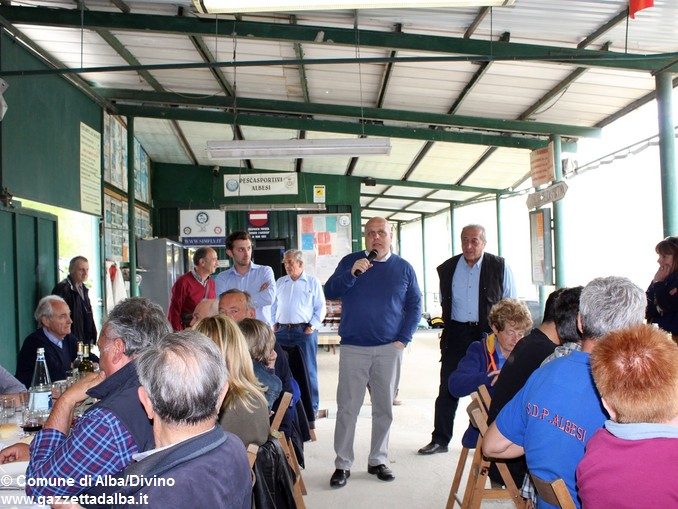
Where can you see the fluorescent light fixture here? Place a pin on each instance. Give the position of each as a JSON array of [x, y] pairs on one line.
[[281, 149], [273, 206], [240, 6]]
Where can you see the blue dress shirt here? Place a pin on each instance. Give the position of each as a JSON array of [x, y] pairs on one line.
[[251, 282], [300, 301], [465, 289]]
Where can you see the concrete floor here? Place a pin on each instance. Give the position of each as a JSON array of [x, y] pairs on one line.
[[421, 481]]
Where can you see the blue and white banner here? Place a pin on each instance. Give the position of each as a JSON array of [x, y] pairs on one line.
[[257, 184], [202, 227]]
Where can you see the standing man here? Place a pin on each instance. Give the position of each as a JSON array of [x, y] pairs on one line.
[[381, 307], [75, 293], [299, 310], [257, 280], [467, 292], [193, 287]]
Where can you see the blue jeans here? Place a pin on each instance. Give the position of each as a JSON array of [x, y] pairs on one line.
[[308, 344]]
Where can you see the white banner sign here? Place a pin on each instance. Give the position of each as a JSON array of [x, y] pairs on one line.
[[202, 227], [257, 184], [90, 170]]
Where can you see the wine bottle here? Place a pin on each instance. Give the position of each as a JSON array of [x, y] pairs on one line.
[[40, 392], [86, 365], [80, 356]]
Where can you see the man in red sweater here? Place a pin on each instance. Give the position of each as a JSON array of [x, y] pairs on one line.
[[193, 287]]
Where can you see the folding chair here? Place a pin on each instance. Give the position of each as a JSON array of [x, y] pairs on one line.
[[299, 489], [554, 492], [476, 491]]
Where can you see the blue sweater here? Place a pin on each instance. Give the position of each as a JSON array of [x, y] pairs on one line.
[[381, 306]]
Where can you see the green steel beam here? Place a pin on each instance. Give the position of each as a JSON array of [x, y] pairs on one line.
[[559, 221], [333, 35], [221, 79], [128, 57], [332, 126], [340, 110], [632, 106], [667, 154], [439, 187], [299, 51], [408, 198], [131, 211]]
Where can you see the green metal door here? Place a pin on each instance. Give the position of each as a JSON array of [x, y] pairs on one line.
[[28, 271]]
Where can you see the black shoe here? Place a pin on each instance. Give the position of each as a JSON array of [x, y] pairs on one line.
[[338, 479], [432, 448], [381, 471]]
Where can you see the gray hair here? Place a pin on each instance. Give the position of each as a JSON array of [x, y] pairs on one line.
[[183, 374], [608, 304], [480, 227], [249, 303], [295, 254], [74, 260], [139, 322], [44, 309]]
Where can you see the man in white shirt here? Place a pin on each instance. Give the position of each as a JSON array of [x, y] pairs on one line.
[[298, 311]]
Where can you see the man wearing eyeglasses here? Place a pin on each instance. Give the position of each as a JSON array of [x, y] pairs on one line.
[[381, 307], [467, 292]]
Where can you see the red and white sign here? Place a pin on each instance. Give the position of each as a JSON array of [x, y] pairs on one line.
[[258, 218]]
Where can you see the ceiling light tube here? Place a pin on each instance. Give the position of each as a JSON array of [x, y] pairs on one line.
[[243, 6], [281, 149]]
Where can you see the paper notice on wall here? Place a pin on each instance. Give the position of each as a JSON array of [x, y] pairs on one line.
[[90, 170]]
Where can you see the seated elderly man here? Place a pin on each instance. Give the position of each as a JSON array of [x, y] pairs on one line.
[[54, 335], [103, 440], [509, 320], [633, 461], [554, 415], [195, 463]]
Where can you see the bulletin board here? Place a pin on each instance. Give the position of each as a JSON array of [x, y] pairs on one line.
[[324, 239]]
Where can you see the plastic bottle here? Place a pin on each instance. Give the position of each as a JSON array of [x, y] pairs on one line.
[[40, 393]]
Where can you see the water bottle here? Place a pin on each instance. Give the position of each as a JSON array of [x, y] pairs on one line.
[[40, 393]]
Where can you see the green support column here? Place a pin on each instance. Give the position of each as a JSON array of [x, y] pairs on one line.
[[558, 218], [423, 260], [667, 153], [131, 218], [451, 229], [500, 242]]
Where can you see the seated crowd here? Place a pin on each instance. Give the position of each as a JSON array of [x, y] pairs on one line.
[[586, 397], [182, 406]]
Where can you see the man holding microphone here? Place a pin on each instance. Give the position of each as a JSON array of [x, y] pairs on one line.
[[381, 307]]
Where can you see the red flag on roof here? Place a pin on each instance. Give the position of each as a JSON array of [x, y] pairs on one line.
[[638, 5]]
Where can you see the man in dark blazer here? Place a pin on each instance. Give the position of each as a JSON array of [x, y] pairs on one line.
[[54, 335], [470, 284], [75, 293]]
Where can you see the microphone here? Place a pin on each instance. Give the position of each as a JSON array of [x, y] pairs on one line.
[[370, 256]]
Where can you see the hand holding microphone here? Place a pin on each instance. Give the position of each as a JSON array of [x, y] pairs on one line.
[[370, 256]]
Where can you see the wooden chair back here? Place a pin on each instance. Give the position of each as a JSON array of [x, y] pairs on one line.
[[475, 491], [554, 492], [299, 488]]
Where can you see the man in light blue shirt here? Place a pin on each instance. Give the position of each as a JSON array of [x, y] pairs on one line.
[[245, 275], [470, 284], [298, 312]]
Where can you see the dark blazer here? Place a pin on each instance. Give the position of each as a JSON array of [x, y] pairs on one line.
[[81, 310], [58, 359]]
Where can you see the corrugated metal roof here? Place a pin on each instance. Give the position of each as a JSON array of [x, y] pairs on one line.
[[521, 88]]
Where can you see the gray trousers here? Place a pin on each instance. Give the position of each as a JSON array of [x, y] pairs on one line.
[[358, 366]]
